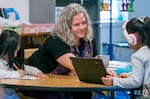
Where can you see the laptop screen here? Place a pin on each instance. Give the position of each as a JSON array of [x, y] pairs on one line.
[[89, 69]]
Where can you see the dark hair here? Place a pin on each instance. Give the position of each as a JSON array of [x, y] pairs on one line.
[[141, 26], [9, 41]]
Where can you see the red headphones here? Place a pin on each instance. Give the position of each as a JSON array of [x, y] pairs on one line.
[[132, 38]]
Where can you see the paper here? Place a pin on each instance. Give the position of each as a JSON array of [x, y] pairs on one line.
[[105, 59], [30, 77], [118, 64]]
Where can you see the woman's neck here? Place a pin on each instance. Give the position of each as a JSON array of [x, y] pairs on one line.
[[77, 42]]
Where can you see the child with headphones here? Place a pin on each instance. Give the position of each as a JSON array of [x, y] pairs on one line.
[[137, 34]]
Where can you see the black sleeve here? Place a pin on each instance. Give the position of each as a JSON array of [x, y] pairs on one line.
[[94, 48], [56, 47]]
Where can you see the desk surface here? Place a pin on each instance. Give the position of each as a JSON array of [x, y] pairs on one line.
[[55, 83]]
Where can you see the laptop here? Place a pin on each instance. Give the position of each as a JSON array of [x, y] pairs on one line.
[[89, 69]]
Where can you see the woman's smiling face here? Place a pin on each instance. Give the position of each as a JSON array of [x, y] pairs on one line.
[[79, 25]]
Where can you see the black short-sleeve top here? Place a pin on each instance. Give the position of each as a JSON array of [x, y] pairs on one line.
[[45, 57], [53, 48]]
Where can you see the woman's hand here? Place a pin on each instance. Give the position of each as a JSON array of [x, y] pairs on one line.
[[41, 75], [72, 73], [108, 80], [21, 72]]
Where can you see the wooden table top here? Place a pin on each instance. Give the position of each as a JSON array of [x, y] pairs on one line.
[[53, 83]]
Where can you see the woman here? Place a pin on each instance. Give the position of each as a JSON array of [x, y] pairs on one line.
[[72, 36]]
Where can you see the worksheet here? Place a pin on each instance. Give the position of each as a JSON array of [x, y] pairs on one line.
[[30, 77]]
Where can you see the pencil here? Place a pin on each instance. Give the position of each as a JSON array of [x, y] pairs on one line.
[[15, 66]]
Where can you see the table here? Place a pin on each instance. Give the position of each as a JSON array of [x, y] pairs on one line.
[[53, 83], [58, 83]]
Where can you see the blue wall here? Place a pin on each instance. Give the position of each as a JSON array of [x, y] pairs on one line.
[[141, 8], [119, 53], [123, 54]]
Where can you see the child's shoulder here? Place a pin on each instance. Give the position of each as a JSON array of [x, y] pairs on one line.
[[3, 62]]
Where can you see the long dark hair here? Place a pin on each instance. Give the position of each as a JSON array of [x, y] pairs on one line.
[[141, 26], [9, 41]]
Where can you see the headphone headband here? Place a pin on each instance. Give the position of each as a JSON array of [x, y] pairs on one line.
[[132, 38], [141, 19]]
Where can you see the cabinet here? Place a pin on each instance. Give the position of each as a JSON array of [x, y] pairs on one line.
[[42, 11], [33, 40]]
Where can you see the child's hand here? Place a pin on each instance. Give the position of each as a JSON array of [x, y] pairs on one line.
[[111, 72], [21, 72], [108, 80], [122, 76], [41, 75]]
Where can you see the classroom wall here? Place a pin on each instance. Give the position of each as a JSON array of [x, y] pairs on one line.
[[119, 53], [22, 6], [141, 9]]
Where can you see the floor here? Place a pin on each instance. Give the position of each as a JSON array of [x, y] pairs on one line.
[[118, 95], [103, 95]]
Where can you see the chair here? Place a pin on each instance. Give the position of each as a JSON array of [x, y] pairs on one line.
[[24, 97], [29, 52]]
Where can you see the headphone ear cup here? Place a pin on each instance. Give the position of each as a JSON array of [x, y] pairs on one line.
[[132, 39]]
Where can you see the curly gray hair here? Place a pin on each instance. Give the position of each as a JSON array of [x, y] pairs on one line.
[[63, 26]]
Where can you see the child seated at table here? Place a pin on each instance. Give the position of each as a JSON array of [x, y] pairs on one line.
[[12, 61], [137, 33]]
